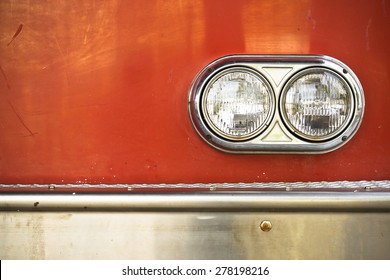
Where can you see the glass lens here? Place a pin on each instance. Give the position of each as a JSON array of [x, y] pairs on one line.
[[317, 104], [237, 104]]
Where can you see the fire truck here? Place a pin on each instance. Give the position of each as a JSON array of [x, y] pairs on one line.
[[194, 129]]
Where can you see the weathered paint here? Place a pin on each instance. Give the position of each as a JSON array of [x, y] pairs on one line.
[[96, 91]]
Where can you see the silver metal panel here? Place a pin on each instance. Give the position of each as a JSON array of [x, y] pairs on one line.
[[212, 225], [193, 235]]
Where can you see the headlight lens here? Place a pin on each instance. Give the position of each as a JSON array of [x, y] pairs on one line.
[[237, 103], [317, 104]]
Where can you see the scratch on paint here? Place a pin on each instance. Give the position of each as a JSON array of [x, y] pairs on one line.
[[59, 48], [367, 34], [311, 20], [63, 59], [16, 34], [384, 8], [170, 77], [86, 33], [5, 77], [21, 119]]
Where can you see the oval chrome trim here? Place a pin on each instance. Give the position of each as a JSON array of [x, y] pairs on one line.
[[276, 137]]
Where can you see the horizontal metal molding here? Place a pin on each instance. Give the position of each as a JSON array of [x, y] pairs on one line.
[[288, 186], [204, 202]]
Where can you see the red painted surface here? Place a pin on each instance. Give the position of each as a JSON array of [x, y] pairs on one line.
[[96, 91]]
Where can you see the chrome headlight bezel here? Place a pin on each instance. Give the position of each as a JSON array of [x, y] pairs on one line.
[[276, 135]]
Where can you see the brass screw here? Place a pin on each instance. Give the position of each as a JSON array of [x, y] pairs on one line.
[[266, 226]]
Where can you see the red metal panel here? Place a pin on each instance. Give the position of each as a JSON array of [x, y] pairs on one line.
[[96, 91]]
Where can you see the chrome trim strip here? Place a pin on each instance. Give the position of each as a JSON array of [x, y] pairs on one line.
[[209, 202], [288, 186]]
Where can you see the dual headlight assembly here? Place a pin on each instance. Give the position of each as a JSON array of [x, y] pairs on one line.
[[276, 104]]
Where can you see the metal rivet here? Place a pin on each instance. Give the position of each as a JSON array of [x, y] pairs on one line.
[[266, 226]]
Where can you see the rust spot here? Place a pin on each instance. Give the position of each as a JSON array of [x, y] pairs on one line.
[[36, 204]]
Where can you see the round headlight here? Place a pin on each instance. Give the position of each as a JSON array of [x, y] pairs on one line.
[[317, 104], [237, 103]]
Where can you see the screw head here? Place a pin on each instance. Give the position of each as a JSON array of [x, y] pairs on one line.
[[265, 226]]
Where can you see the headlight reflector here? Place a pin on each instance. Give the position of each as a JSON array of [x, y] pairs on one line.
[[238, 103], [317, 104]]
